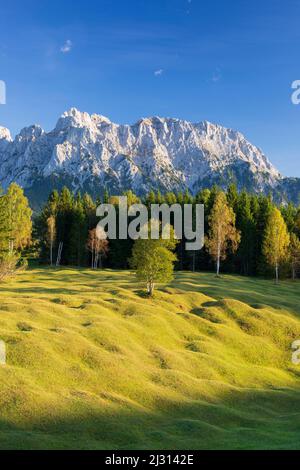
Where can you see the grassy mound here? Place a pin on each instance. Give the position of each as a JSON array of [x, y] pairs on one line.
[[92, 363]]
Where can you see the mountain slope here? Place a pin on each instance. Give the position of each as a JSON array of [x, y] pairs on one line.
[[92, 364], [90, 152]]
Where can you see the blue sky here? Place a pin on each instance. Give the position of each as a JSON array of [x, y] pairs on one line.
[[230, 62]]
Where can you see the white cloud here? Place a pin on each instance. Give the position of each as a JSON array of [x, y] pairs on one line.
[[158, 72], [67, 47]]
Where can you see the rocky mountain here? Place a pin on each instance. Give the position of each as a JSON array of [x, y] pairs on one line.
[[89, 152]]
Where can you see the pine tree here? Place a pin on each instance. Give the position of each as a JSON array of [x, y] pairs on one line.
[[77, 233], [246, 226], [159, 198], [232, 196], [294, 252], [289, 214], [64, 219], [106, 196], [150, 198], [261, 208]]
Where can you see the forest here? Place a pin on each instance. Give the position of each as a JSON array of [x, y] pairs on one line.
[[256, 236], [63, 233]]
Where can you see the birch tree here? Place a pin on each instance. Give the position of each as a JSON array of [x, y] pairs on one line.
[[276, 241], [222, 235], [51, 233], [97, 247]]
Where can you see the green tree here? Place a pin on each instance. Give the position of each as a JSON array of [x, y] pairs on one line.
[[64, 221], [232, 196], [261, 209], [294, 251], [153, 261], [276, 241], [77, 234], [246, 225], [106, 196], [289, 214], [150, 198]]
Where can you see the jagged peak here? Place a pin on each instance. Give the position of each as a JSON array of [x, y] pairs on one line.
[[5, 134], [76, 118], [30, 133]]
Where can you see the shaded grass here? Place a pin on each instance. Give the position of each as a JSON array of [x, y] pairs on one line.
[[92, 364]]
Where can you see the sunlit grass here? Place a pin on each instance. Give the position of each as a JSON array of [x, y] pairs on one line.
[[92, 363]]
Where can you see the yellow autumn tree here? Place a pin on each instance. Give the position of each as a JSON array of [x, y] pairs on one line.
[[276, 241], [51, 234], [18, 218], [223, 235]]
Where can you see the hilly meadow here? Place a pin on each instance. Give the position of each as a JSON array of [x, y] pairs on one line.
[[124, 345]]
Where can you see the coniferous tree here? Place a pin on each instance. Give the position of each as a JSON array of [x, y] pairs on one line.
[[246, 226], [294, 254], [77, 233], [262, 209], [232, 196], [64, 221], [289, 214]]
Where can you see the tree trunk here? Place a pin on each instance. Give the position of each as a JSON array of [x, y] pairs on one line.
[[150, 288], [218, 258], [218, 266], [277, 274], [51, 253], [96, 260], [92, 257]]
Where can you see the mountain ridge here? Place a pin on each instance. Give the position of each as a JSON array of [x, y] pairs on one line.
[[90, 152]]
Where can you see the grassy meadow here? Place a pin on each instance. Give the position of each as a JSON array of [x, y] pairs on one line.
[[94, 364]]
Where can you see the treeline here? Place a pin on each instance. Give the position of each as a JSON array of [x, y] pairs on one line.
[[66, 232]]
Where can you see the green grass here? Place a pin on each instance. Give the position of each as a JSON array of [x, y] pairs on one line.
[[93, 364]]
